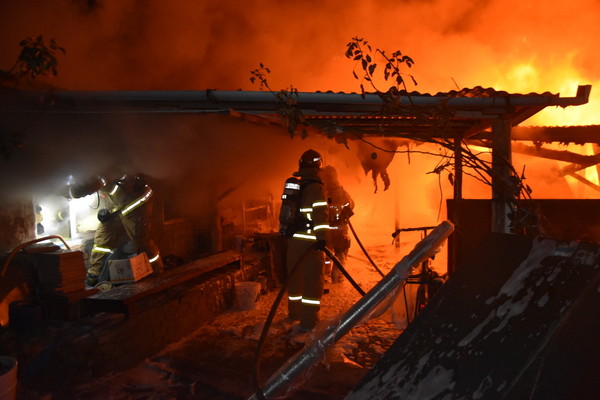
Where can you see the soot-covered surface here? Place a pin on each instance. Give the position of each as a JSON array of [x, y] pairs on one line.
[[495, 329]]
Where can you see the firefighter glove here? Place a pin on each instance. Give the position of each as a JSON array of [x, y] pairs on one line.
[[104, 215], [346, 213], [320, 245]]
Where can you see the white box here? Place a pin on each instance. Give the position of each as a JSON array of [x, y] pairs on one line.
[[129, 270]]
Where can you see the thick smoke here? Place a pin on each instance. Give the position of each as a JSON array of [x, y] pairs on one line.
[[518, 46], [151, 44]]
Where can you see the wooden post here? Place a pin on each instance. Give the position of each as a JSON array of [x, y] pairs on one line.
[[501, 171], [458, 167], [454, 244]]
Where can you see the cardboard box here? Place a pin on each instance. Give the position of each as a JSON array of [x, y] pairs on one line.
[[129, 270]]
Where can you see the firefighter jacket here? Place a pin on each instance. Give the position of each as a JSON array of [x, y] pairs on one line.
[[130, 217], [314, 224], [340, 206], [135, 212], [340, 211]]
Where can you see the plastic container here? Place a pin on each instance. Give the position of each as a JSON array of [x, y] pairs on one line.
[[8, 378], [246, 295]]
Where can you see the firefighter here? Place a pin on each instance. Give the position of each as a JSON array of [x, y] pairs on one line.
[[341, 208], [124, 224], [306, 245]]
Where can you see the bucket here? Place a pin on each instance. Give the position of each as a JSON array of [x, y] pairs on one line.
[[246, 295], [8, 378]]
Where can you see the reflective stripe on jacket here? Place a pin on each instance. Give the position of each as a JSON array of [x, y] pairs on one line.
[[313, 208]]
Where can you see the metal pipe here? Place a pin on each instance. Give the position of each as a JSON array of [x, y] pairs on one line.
[[311, 354]]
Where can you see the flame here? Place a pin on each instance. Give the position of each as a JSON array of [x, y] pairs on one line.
[[591, 173], [512, 45]]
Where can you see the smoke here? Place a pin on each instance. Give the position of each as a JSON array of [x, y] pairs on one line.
[[509, 45], [152, 44], [513, 45]]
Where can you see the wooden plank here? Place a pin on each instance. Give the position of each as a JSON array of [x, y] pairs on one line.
[[501, 168], [121, 298]]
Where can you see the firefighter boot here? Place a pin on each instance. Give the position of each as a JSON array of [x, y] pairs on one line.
[[91, 280]]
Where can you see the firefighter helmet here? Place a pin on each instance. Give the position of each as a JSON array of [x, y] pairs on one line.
[[86, 187], [310, 159], [134, 184]]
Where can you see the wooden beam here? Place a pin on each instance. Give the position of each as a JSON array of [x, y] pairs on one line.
[[501, 171]]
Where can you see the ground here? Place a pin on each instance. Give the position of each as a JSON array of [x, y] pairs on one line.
[[218, 360]]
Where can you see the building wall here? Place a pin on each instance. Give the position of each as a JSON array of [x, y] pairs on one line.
[[111, 342], [17, 223], [561, 220]]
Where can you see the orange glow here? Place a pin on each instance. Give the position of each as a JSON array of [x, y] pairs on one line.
[[512, 45], [591, 173], [580, 189]]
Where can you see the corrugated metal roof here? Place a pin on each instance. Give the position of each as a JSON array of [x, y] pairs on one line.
[[465, 112]]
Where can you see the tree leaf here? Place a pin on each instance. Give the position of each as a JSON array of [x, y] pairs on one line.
[[372, 68]]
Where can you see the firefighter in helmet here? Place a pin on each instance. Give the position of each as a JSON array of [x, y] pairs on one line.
[[341, 208], [304, 247], [125, 222]]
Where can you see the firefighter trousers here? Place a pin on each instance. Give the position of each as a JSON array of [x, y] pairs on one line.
[[109, 236], [305, 285]]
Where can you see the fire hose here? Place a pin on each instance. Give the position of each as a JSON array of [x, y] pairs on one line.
[[258, 389], [27, 244], [364, 250], [304, 359]]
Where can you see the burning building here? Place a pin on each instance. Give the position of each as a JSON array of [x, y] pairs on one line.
[[229, 201]]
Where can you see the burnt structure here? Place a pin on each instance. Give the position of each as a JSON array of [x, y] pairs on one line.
[[515, 323], [482, 116], [479, 115]]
